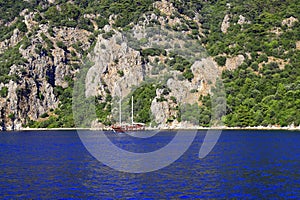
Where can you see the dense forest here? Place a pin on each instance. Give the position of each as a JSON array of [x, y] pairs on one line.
[[264, 90]]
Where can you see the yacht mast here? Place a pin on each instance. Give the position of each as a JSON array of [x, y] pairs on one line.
[[132, 110], [120, 111]]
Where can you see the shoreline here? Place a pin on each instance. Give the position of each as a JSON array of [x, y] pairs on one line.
[[164, 129]]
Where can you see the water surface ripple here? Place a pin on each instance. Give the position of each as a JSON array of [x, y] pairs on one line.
[[243, 164]]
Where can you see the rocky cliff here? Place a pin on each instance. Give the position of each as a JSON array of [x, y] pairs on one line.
[[49, 61], [52, 53]]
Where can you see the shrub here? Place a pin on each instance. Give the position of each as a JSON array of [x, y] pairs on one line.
[[61, 45], [153, 52], [86, 24], [4, 92], [22, 27], [121, 73], [108, 34], [262, 58], [101, 22], [193, 90], [221, 60], [44, 115], [188, 74]]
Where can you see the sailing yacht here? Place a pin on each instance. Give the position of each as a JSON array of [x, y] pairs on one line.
[[122, 128]]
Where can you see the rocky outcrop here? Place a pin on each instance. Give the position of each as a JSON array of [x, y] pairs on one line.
[[281, 62], [225, 24], [112, 57], [15, 39], [185, 92], [165, 7], [298, 45], [27, 99], [29, 19], [118, 69], [242, 20], [32, 94], [234, 62], [161, 112], [289, 22]]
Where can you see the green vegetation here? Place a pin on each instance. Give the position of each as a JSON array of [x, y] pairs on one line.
[[10, 57], [271, 99], [71, 15], [68, 15], [221, 60], [121, 73], [253, 37], [10, 10], [153, 52], [143, 97], [4, 92], [103, 110], [255, 95], [61, 45], [108, 35], [44, 115], [126, 11], [63, 114], [181, 64]]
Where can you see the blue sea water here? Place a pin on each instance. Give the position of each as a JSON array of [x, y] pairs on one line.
[[242, 165]]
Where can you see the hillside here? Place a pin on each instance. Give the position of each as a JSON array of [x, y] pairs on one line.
[[178, 59]]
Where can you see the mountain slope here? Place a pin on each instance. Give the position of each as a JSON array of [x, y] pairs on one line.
[[165, 53]]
